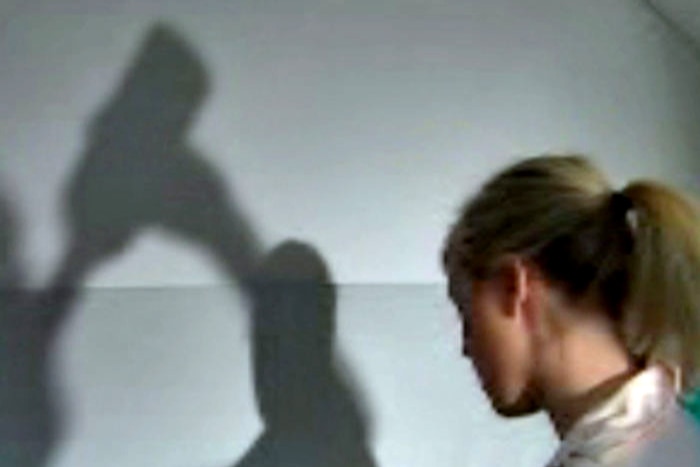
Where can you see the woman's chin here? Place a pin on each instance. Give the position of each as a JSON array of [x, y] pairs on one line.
[[514, 408]]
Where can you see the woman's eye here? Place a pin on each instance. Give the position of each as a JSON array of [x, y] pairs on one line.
[[465, 318], [466, 341], [466, 328]]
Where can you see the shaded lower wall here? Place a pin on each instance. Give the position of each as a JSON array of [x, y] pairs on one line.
[[198, 377]]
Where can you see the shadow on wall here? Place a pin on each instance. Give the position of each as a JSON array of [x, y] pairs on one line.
[[682, 57], [27, 417], [687, 87], [139, 171]]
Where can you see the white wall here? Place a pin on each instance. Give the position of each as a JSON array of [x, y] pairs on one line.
[[357, 127]]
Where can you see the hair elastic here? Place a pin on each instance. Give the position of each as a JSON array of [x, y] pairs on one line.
[[623, 206]]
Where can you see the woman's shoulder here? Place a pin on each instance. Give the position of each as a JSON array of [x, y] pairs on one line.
[[677, 445]]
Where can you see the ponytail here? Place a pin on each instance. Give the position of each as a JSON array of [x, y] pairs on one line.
[[661, 320]]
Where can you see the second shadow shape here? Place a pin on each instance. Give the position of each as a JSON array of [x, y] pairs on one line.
[[311, 413]]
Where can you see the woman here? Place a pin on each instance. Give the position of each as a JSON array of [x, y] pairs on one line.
[[584, 302]]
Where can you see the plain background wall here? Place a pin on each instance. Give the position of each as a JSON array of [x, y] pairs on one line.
[[358, 127]]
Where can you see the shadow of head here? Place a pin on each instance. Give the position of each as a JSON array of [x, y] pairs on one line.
[[313, 414], [294, 291]]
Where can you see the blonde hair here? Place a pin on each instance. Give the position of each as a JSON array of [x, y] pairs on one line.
[[636, 251]]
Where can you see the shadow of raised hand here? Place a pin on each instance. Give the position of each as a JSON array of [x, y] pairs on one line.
[[139, 170], [132, 175]]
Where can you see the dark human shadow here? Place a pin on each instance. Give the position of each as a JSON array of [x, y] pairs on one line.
[[311, 416], [27, 415], [119, 187], [139, 171]]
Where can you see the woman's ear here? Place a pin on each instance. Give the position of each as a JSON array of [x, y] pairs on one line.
[[521, 286]]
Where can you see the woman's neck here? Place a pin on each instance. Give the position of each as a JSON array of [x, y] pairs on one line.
[[587, 368]]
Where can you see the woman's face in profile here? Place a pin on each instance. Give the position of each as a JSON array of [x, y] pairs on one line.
[[495, 340]]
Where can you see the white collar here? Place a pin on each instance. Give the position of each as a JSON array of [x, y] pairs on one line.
[[631, 415]]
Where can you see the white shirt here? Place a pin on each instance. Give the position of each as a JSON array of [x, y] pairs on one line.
[[641, 425]]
